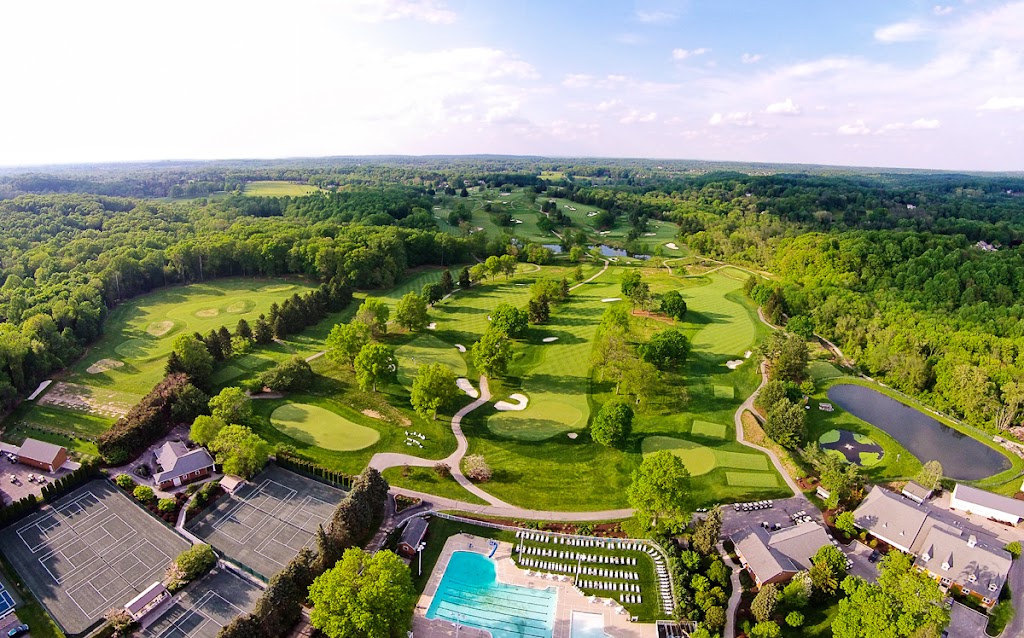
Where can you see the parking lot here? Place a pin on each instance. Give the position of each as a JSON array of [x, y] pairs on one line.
[[780, 513], [14, 491]]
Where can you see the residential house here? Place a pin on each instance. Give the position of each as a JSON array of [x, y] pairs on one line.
[[179, 465]]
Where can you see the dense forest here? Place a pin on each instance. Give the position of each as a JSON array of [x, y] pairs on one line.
[[917, 276]]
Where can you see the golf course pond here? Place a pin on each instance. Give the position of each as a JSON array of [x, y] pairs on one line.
[[962, 457]]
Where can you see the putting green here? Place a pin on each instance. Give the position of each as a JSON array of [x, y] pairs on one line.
[[541, 420], [751, 479], [829, 437], [322, 428], [426, 349], [708, 430], [697, 458], [726, 328], [241, 306], [725, 392]]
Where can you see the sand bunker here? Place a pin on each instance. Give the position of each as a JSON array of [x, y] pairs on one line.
[[207, 313], [572, 435], [735, 363], [611, 299], [467, 387], [549, 339], [432, 325], [460, 347], [160, 328], [103, 365], [505, 406], [746, 355], [672, 245], [373, 414]]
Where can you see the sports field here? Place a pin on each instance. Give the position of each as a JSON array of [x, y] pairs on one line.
[[321, 427], [277, 189], [92, 550], [726, 327], [205, 606], [265, 523], [138, 334]]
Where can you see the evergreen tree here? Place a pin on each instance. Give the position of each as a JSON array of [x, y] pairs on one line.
[[243, 329], [447, 285], [263, 333], [464, 280]]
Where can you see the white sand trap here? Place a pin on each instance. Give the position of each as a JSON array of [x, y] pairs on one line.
[[746, 355], [592, 213], [650, 234], [159, 328], [549, 339], [432, 325], [735, 363], [460, 347], [505, 406], [39, 390], [103, 365], [672, 245], [207, 313], [611, 299], [467, 387], [572, 435]]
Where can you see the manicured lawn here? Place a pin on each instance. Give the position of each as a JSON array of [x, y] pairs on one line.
[[424, 479], [823, 371], [277, 189], [708, 430], [426, 349], [698, 459], [727, 329], [139, 333], [752, 479], [323, 428]]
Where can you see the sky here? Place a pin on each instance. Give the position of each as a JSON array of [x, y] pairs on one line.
[[893, 83]]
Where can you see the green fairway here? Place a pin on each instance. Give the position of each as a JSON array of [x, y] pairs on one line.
[[278, 189], [323, 428], [426, 349], [823, 370], [138, 334], [543, 419], [697, 458], [725, 328], [724, 392], [751, 479], [708, 430]]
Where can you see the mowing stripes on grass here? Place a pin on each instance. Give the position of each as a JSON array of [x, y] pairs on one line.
[[822, 370], [697, 458], [726, 328], [751, 479], [742, 460], [708, 429], [426, 349], [323, 428]]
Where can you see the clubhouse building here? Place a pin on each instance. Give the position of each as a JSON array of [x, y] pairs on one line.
[[179, 465], [775, 557], [976, 565]]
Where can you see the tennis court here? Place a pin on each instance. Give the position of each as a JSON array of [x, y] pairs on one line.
[[8, 599], [90, 551], [266, 522], [206, 605]]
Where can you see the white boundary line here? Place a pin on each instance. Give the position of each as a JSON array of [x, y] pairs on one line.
[[89, 547], [291, 525], [195, 610], [117, 572], [90, 509]]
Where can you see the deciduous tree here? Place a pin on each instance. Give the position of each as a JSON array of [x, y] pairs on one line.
[[375, 364], [492, 353], [433, 389], [660, 486], [411, 312], [613, 424], [346, 340], [374, 313], [363, 596]]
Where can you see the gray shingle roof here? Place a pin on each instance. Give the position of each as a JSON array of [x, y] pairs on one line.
[[175, 460], [918, 490], [988, 499], [414, 532], [951, 555], [39, 451], [890, 517], [788, 550]]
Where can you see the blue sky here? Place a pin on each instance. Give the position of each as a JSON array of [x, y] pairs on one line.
[[903, 84]]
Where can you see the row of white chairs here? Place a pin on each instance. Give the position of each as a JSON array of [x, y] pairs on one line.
[[630, 599], [577, 541], [601, 585], [615, 574], [587, 558]]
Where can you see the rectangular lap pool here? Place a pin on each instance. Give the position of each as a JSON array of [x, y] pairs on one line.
[[470, 594], [586, 625]]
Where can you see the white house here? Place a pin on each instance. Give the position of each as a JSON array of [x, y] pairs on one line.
[[994, 506]]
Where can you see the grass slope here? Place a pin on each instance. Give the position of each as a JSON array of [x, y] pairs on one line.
[[277, 189]]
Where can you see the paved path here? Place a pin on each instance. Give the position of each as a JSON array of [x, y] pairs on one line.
[[734, 599], [1015, 629], [738, 419], [587, 281]]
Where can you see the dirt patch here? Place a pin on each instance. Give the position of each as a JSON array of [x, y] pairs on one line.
[[653, 315], [373, 414], [160, 328], [83, 398], [103, 365], [207, 313], [401, 420]]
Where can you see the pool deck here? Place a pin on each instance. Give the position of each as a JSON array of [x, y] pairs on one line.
[[569, 598]]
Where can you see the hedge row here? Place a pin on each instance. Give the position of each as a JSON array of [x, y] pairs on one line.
[[150, 419]]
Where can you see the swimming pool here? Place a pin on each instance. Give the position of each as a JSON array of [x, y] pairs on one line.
[[470, 594], [587, 625]]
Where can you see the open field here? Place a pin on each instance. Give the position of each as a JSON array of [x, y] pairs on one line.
[[278, 189], [94, 549], [323, 428], [268, 521]]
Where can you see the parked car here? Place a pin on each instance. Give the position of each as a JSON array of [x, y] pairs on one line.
[[873, 557], [20, 630]]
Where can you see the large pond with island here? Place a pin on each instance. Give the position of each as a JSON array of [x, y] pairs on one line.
[[962, 457]]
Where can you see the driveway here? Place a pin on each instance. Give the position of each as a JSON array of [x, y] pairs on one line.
[[859, 553], [781, 512], [1016, 580]]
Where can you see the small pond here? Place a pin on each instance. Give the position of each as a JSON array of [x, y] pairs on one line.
[[854, 447], [962, 457], [555, 248], [608, 251]]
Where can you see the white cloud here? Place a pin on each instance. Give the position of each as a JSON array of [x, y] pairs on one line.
[[577, 80], [373, 11], [736, 118], [901, 32], [607, 105], [857, 128], [634, 117], [1003, 104], [940, 10], [786, 107], [682, 54], [751, 58], [655, 17], [924, 124]]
